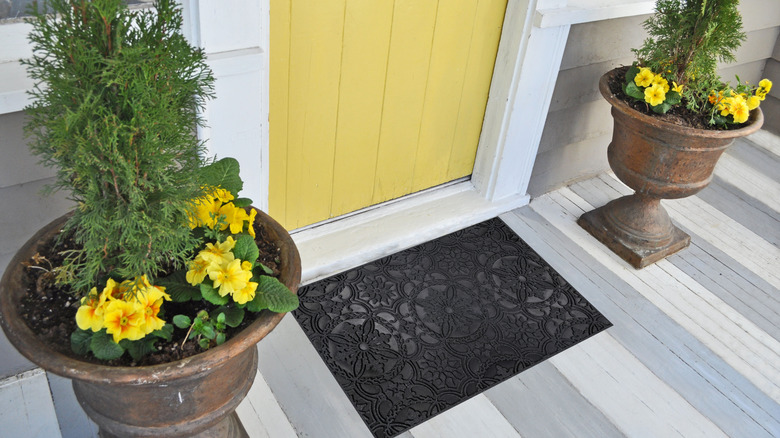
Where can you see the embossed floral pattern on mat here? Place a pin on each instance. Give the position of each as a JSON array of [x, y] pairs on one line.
[[415, 333]]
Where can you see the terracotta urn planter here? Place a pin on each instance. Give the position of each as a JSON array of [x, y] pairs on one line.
[[192, 397], [658, 160]]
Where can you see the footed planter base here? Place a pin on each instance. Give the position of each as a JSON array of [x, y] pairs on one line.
[[636, 228]]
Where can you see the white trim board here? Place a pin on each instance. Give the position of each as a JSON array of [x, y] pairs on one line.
[[355, 240]]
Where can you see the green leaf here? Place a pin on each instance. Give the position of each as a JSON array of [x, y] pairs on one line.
[[177, 287], [212, 296], [104, 347], [631, 73], [208, 331], [139, 348], [204, 343], [276, 295], [233, 316], [634, 91], [80, 340], [182, 321], [246, 248], [220, 338], [242, 202], [673, 98], [662, 108], [264, 270], [166, 332], [223, 173]]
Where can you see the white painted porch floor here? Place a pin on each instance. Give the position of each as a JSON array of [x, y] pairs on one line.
[[694, 351]]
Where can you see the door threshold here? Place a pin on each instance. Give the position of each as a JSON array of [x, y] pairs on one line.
[[348, 242]]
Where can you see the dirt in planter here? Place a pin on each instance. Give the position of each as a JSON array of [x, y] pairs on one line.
[[678, 115], [50, 309]]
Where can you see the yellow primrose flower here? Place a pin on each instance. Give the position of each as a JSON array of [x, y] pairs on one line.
[[660, 80], [655, 95], [251, 220], [219, 253], [222, 195], [740, 110], [246, 294], [230, 278], [199, 268], [753, 102], [207, 211], [148, 306], [90, 313], [122, 320], [235, 217], [644, 78], [677, 88]]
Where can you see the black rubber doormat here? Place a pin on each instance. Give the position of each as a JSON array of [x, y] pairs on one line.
[[415, 333]]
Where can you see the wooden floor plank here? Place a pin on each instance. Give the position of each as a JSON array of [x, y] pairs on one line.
[[261, 414], [745, 209], [750, 179], [755, 253], [670, 352], [565, 204], [304, 387], [474, 417], [629, 394], [541, 402], [26, 407], [766, 140]]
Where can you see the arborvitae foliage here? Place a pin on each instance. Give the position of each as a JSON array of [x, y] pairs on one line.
[[688, 38], [115, 112]]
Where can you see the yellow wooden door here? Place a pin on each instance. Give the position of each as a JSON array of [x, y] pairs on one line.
[[371, 100]]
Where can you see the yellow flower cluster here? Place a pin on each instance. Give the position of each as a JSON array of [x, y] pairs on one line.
[[730, 103], [229, 275], [656, 86], [127, 310], [215, 204]]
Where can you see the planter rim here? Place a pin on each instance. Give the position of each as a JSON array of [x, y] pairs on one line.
[[755, 121], [36, 351]]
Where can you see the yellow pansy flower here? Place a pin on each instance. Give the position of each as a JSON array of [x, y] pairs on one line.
[[655, 95], [753, 102], [230, 278], [740, 110], [644, 78], [677, 88]]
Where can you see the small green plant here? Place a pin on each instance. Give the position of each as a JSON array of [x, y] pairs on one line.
[[114, 111], [207, 329], [115, 107], [678, 62]]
